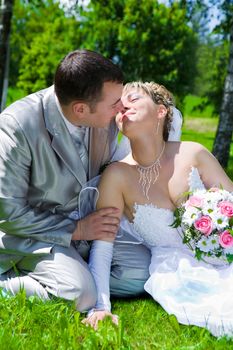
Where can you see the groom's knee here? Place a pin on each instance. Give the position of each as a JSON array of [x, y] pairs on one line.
[[64, 274], [81, 290]]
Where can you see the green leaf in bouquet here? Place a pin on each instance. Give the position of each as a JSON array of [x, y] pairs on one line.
[[176, 223], [231, 231], [185, 195], [186, 239], [198, 208], [177, 218], [188, 233], [198, 254], [231, 222], [218, 253], [229, 258]]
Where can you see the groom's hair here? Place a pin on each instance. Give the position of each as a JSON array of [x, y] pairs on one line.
[[81, 75]]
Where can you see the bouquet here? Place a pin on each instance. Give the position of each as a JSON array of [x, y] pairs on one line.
[[206, 220]]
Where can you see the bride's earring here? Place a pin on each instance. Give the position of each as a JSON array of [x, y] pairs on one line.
[[157, 129]]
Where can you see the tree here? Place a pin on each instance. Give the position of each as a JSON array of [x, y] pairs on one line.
[[42, 34], [149, 40], [221, 148], [220, 94], [5, 25]]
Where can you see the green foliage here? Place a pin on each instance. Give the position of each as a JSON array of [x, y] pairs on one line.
[[149, 40], [202, 130], [41, 36], [211, 67], [14, 94]]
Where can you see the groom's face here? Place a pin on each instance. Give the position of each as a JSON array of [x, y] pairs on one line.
[[107, 107]]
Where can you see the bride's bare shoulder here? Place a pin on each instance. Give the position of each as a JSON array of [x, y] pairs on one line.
[[118, 171], [186, 146]]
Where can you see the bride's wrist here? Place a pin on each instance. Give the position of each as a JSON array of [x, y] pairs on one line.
[[93, 310]]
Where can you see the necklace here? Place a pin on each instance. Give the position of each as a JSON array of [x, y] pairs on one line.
[[149, 174]]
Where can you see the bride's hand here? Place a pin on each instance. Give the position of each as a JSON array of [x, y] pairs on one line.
[[99, 315]]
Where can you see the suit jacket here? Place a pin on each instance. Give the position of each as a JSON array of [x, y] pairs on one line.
[[41, 175]]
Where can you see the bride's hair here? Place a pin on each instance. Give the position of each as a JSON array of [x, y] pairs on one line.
[[159, 95]]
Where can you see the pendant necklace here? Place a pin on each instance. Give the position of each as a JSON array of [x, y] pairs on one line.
[[149, 174]]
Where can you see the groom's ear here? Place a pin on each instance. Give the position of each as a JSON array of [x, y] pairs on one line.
[[162, 111], [80, 109]]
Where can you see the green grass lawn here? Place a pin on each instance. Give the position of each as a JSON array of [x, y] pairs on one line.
[[202, 130], [32, 324]]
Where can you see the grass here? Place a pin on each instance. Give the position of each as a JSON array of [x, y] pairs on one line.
[[191, 108], [202, 130], [32, 324]]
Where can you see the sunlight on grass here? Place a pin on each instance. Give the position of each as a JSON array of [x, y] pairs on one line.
[[32, 324], [203, 130], [191, 108]]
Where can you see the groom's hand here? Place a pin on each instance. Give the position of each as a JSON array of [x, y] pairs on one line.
[[102, 224]]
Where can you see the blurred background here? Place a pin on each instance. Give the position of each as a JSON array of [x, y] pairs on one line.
[[185, 45]]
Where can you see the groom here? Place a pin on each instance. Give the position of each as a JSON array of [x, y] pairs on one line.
[[51, 143]]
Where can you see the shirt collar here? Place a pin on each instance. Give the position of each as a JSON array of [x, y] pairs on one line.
[[71, 127]]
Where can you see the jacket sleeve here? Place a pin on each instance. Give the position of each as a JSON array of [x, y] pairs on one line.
[[17, 216]]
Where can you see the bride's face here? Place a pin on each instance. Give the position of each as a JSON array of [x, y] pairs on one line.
[[138, 109]]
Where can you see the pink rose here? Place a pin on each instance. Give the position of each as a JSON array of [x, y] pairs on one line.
[[204, 225], [194, 201], [226, 239], [226, 208]]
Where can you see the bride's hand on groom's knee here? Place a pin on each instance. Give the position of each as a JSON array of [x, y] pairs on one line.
[[100, 225], [99, 315]]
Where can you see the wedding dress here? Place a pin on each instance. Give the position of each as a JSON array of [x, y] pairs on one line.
[[196, 292]]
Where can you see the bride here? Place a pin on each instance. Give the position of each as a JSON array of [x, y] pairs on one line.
[[146, 187]]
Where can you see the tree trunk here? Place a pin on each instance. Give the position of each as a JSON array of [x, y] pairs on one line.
[[6, 10], [222, 143]]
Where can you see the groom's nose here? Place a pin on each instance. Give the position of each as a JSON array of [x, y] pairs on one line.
[[120, 108]]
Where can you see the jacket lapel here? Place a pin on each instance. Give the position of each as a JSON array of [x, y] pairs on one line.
[[61, 140]]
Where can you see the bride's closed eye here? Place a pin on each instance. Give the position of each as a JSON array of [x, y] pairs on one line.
[[134, 97]]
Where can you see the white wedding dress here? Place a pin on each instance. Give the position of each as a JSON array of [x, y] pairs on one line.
[[197, 293]]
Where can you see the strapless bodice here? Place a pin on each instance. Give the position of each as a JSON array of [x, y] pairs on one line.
[[152, 225]]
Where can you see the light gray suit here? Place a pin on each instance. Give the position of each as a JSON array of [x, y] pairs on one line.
[[41, 175]]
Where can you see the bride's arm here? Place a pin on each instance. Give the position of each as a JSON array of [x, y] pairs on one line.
[[211, 172], [110, 191]]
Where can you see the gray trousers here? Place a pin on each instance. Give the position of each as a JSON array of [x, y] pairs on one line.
[[65, 274]]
